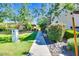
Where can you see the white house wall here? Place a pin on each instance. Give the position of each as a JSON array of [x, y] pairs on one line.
[[66, 18]]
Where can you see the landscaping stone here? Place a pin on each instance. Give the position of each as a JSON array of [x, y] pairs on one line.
[[56, 48]]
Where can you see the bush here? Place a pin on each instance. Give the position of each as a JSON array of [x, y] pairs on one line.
[[5, 38], [22, 37], [55, 32], [28, 26], [8, 38], [69, 34], [70, 44]]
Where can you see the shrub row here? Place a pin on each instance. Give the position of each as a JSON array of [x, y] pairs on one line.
[[5, 38], [55, 32], [70, 44], [22, 37], [70, 34], [5, 26]]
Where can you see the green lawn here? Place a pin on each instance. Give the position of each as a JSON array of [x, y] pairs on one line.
[[19, 48]]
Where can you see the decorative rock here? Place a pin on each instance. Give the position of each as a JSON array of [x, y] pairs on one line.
[[56, 48]]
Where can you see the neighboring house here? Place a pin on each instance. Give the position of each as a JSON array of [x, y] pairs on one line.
[[8, 21], [21, 27], [66, 18]]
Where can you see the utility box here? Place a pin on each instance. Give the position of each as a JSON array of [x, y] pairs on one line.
[[15, 35]]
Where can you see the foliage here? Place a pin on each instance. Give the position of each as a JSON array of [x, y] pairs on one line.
[[25, 14], [43, 23], [40, 12], [70, 44], [5, 26], [28, 26], [22, 37], [55, 32], [69, 34], [69, 6], [5, 38], [56, 9]]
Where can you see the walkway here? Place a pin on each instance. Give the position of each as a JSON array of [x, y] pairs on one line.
[[39, 47]]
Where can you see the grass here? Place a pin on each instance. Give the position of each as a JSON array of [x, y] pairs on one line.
[[19, 48]]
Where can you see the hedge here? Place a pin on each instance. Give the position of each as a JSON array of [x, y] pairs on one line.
[[5, 38], [70, 44], [55, 32], [5, 26], [70, 34], [22, 37]]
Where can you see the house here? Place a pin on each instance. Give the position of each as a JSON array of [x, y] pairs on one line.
[[8, 21], [66, 18]]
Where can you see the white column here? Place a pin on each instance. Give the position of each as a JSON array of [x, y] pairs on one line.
[[15, 37]]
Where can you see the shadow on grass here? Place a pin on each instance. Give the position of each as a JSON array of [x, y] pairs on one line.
[[31, 37]]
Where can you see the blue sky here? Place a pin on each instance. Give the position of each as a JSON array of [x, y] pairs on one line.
[[16, 6], [31, 7]]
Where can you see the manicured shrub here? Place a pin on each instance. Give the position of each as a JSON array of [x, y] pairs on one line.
[[70, 34], [22, 37], [5, 26], [55, 32], [5, 38], [70, 44]]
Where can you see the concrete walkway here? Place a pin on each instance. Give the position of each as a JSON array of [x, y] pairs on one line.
[[39, 47]]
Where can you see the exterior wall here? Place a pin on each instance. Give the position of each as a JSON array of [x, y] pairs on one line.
[[66, 18]]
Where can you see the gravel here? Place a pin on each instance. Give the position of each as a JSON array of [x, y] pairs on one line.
[[59, 48]]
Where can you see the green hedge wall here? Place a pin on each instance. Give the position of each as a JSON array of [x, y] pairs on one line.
[[70, 44], [70, 34], [5, 38], [22, 37]]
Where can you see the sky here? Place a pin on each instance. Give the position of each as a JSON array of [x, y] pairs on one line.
[[31, 7]]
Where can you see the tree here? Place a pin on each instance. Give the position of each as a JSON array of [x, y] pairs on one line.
[[7, 11], [43, 23], [56, 9], [23, 13]]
